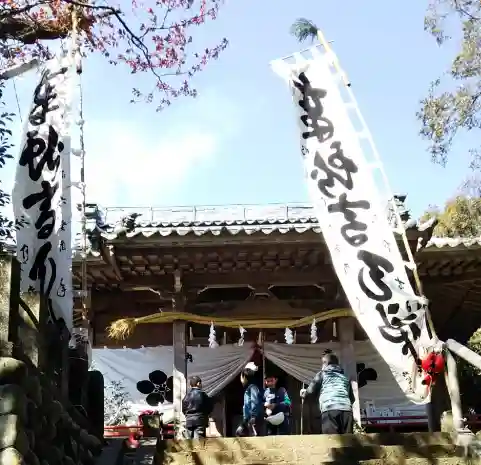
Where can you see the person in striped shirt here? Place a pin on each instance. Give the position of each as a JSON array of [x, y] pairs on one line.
[[335, 396]]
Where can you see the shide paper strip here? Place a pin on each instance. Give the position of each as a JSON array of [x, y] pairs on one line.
[[41, 194], [355, 226]]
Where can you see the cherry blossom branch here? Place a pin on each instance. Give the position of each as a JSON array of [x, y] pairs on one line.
[[152, 45]]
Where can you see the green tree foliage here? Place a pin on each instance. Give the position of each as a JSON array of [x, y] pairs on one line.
[[304, 29], [461, 217], [453, 104]]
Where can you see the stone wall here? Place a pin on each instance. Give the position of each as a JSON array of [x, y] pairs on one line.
[[35, 428], [41, 421]]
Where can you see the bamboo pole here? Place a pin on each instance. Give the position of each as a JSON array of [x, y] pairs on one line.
[[335, 61]]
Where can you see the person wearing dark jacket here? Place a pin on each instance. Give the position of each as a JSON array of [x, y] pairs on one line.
[[196, 406], [253, 409], [335, 396]]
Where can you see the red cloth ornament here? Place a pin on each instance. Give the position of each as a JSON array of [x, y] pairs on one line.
[[133, 441], [433, 366]]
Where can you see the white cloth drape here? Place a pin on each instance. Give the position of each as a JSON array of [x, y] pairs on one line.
[[303, 361], [216, 367]]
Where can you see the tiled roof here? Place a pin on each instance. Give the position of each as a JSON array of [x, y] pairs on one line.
[[454, 243], [113, 223], [215, 220]]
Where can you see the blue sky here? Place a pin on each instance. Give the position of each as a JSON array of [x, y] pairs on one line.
[[238, 142]]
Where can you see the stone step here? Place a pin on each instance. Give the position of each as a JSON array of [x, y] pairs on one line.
[[375, 454], [410, 441], [225, 458]]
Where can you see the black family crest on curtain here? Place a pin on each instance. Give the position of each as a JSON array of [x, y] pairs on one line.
[[159, 388], [364, 375]]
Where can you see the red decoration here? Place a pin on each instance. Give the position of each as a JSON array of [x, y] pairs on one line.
[[145, 412], [133, 441], [433, 366]]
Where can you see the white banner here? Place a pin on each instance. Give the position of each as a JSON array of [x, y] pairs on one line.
[[355, 226], [41, 193], [145, 375]]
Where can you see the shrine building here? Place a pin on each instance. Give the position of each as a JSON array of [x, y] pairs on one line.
[[238, 265]]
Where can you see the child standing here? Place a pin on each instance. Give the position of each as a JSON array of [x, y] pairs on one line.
[[252, 413], [196, 406], [276, 401]]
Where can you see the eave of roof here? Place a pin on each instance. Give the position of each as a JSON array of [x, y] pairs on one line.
[[232, 221], [457, 243]]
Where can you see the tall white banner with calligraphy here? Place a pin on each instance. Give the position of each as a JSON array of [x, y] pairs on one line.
[[355, 226], [41, 194]]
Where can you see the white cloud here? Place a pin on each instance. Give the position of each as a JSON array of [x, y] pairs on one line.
[[126, 166]]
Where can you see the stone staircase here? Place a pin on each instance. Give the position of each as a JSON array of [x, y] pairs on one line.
[[368, 449]]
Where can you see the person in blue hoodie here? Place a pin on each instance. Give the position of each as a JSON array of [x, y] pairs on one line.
[[253, 409], [276, 401], [335, 396]]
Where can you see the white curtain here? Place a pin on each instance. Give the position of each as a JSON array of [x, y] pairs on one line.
[[379, 397], [218, 367], [127, 367], [302, 361]]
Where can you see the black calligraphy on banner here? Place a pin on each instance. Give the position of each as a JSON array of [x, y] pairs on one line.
[[403, 330], [348, 208], [319, 126], [41, 156], [338, 170]]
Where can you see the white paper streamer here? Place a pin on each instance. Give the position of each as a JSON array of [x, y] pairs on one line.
[[242, 331], [313, 332], [289, 336], [212, 339]]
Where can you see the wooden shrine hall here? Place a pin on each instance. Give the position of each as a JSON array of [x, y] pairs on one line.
[[240, 261]]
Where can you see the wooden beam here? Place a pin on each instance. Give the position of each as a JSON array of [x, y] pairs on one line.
[[454, 392], [462, 351], [108, 255], [314, 275]]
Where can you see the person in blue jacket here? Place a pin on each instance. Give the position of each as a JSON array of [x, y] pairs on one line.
[[253, 409], [276, 401]]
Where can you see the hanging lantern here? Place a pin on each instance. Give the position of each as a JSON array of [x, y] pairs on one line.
[[289, 336], [212, 340], [313, 332], [242, 331]]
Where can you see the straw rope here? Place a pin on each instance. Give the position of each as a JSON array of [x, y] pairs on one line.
[[122, 329]]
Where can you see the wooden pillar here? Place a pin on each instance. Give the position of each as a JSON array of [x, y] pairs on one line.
[[454, 393], [179, 370], [179, 374], [345, 329]]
